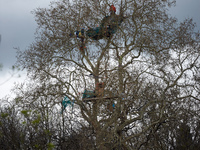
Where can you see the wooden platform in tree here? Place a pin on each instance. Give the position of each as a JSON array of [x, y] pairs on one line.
[[97, 98]]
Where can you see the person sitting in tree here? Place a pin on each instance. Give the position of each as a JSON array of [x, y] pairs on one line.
[[107, 28], [112, 10]]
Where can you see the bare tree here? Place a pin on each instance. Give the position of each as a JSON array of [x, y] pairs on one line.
[[142, 61]]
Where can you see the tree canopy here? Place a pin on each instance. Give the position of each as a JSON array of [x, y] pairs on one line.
[[148, 70]]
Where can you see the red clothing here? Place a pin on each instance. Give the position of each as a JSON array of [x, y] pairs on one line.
[[112, 8]]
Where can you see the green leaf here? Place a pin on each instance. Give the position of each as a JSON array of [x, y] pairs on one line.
[[4, 115], [36, 121], [25, 112], [36, 146], [50, 146]]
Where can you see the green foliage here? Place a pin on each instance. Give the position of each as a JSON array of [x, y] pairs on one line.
[[47, 132], [4, 115], [37, 146], [50, 146], [37, 121], [15, 68], [25, 113], [17, 99]]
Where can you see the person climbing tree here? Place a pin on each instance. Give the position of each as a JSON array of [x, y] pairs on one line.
[[112, 9], [80, 35], [108, 26]]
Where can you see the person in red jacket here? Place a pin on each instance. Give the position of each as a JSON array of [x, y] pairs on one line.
[[112, 9]]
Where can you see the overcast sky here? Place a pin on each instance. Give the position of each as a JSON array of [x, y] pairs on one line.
[[17, 28]]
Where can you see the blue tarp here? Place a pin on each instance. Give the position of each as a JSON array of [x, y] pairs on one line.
[[65, 102], [88, 94], [108, 27]]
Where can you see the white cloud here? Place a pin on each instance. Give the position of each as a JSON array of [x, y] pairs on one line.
[[17, 28], [7, 81]]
